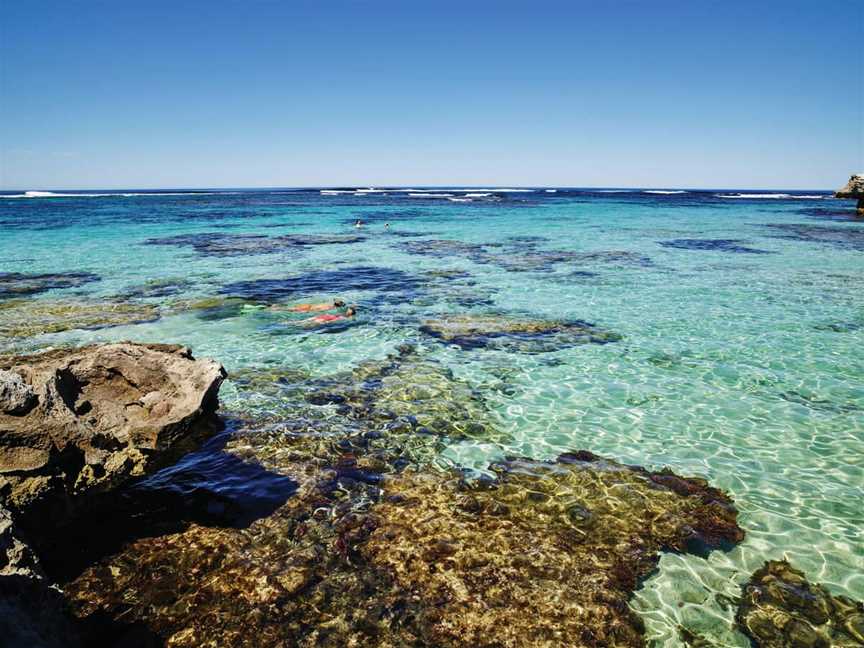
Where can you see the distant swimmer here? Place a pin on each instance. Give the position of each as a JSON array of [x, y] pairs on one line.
[[329, 318], [311, 308], [386, 226], [358, 224]]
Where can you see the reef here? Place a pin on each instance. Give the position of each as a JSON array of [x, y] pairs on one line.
[[94, 417], [19, 284], [220, 244], [406, 394], [368, 552], [780, 608], [854, 190], [519, 254], [27, 318], [718, 245], [849, 237], [502, 332], [158, 288], [357, 278]]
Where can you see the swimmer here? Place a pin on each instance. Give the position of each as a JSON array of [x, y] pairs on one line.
[[311, 308], [358, 224], [329, 318]]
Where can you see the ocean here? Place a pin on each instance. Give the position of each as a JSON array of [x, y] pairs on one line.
[[725, 335]]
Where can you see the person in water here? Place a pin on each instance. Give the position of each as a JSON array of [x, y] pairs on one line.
[[329, 318], [358, 224], [312, 308]]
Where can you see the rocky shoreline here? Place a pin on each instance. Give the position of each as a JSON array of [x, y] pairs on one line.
[[363, 539]]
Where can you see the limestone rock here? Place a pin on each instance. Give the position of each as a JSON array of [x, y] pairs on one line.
[[854, 189], [781, 609], [104, 414], [32, 612], [16, 397]]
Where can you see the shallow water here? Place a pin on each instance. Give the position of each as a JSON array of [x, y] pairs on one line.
[[741, 324]]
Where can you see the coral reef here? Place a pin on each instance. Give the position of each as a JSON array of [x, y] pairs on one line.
[[223, 245], [502, 332], [27, 318], [849, 237], [19, 284], [779, 608], [545, 554], [718, 245]]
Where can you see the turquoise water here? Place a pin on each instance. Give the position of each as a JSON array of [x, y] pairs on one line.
[[742, 358]]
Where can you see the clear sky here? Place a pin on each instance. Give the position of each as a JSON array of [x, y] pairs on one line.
[[129, 93]]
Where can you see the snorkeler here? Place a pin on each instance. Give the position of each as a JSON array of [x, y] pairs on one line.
[[311, 308], [329, 318]]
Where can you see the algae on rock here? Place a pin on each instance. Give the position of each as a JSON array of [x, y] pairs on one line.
[[545, 554], [781, 609]]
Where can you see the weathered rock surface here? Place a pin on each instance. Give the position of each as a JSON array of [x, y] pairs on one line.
[[854, 189], [781, 609], [16, 396], [102, 414]]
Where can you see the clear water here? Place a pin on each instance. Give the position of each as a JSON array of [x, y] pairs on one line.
[[746, 368]]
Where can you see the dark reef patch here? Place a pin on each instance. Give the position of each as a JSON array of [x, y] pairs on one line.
[[372, 278], [525, 336], [20, 284], [831, 213], [221, 244], [848, 237], [518, 254], [779, 608], [158, 288], [717, 245]]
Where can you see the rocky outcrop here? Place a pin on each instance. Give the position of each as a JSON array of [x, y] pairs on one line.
[[854, 189], [781, 609], [32, 612], [73, 423], [81, 420]]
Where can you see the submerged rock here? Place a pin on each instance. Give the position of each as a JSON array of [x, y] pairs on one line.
[[27, 318], [501, 332], [849, 237], [544, 554], [19, 284], [103, 414], [357, 278], [519, 254], [779, 608], [719, 245], [222, 244], [854, 189]]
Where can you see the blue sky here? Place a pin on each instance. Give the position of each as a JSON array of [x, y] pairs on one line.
[[253, 93]]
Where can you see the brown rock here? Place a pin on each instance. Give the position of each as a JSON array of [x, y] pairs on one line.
[[854, 189], [103, 414]]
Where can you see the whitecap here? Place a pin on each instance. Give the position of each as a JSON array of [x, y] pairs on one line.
[[774, 196], [663, 192]]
